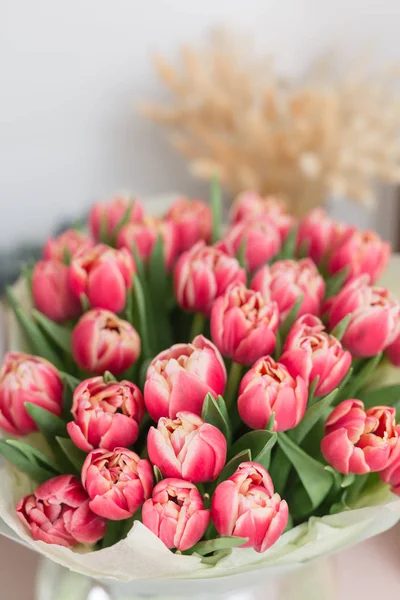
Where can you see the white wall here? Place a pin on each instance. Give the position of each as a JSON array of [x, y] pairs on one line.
[[71, 72]]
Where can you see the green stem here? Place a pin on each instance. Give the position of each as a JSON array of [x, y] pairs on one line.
[[235, 373], [198, 323]]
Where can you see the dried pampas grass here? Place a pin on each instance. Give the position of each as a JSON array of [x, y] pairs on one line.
[[327, 135]]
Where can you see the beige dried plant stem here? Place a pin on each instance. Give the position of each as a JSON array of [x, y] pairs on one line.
[[329, 135]]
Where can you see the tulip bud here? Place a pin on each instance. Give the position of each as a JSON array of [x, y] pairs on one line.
[[106, 415], [375, 317], [362, 252], [192, 220], [391, 473], [175, 513], [179, 378], [118, 482], [144, 235], [103, 342], [67, 243], [319, 234], [245, 505], [261, 241], [269, 388], [187, 448], [25, 378], [104, 275], [243, 324], [58, 513], [311, 352], [52, 293], [357, 440], [250, 206], [105, 216], [202, 274], [286, 280]]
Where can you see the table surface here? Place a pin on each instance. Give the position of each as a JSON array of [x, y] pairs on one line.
[[362, 571]]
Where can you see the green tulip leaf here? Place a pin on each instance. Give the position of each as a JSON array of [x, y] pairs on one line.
[[289, 245], [48, 424], [158, 292], [143, 320], [212, 413], [37, 341], [216, 209], [387, 395], [126, 217], [316, 480], [311, 417], [260, 444], [74, 454], [59, 334], [233, 464], [334, 284], [290, 319], [358, 380], [70, 384], [157, 474], [25, 463], [224, 542], [109, 377], [340, 329]]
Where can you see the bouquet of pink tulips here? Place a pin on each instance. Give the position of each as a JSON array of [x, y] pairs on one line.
[[213, 386]]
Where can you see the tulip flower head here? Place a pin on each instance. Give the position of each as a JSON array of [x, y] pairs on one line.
[[357, 440], [261, 239], [104, 275], [179, 378], [269, 388], [106, 216], [66, 245], [312, 352], [245, 505], [187, 448], [52, 293], [58, 513], [106, 414], [175, 513], [202, 274], [25, 378], [286, 280], [103, 342], [244, 325], [192, 220], [117, 482]]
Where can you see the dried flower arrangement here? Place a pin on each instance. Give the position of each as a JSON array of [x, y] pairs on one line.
[[326, 136]]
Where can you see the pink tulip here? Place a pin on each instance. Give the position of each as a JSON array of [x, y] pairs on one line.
[[357, 440], [58, 513], [106, 415], [103, 342], [175, 513], [179, 378], [393, 351], [107, 215], [67, 243], [192, 220], [202, 274], [311, 352], [243, 324], [187, 448], [362, 252], [144, 235], [260, 237], [118, 482], [250, 205], [104, 275], [319, 234], [286, 280], [25, 378], [245, 505], [391, 473], [375, 317], [52, 293], [269, 388]]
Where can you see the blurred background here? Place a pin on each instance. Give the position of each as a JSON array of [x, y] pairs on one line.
[[73, 76]]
